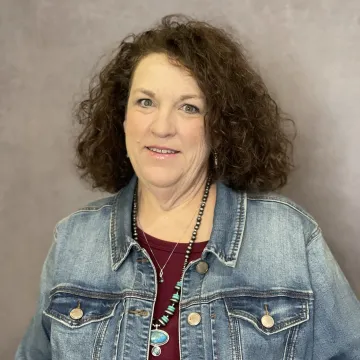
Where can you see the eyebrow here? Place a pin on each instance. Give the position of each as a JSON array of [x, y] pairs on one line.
[[182, 97]]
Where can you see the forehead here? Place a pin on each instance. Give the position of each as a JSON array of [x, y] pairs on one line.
[[157, 73]]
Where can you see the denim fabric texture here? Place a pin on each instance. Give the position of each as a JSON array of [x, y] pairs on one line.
[[265, 252]]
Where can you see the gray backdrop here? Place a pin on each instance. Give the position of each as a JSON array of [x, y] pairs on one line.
[[307, 51]]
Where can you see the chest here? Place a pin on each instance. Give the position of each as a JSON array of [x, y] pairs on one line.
[[224, 313]]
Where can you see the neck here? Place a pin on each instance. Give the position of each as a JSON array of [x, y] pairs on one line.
[[173, 198], [168, 213]]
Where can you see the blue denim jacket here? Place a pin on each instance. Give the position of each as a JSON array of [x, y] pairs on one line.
[[265, 255]]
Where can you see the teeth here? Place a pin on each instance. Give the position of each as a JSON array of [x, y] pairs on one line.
[[162, 151]]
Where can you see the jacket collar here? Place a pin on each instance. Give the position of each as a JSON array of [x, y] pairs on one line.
[[226, 235]]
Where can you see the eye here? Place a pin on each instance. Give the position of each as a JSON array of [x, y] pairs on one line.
[[191, 109], [144, 102]]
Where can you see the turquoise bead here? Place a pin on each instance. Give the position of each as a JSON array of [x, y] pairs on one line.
[[165, 319], [176, 297], [156, 351], [171, 308]]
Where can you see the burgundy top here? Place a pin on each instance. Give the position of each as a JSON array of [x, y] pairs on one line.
[[172, 274]]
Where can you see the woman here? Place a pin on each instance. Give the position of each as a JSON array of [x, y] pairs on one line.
[[195, 255]]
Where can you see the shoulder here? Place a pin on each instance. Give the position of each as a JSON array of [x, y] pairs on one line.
[[280, 211], [281, 203], [93, 211]]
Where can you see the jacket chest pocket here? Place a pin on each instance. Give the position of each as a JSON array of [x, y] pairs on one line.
[[82, 323], [266, 326]]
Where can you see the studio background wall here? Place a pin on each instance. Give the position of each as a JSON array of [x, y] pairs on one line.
[[307, 51]]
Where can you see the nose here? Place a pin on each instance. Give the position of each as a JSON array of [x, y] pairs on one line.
[[163, 123]]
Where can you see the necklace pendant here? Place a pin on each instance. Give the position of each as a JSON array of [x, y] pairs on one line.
[[157, 339], [161, 279]]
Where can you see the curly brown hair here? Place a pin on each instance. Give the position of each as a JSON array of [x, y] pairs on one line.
[[243, 122]]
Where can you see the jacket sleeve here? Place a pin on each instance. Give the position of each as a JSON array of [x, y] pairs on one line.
[[35, 344], [336, 307]]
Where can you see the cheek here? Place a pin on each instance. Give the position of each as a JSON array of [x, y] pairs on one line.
[[196, 140], [134, 127], [198, 135]]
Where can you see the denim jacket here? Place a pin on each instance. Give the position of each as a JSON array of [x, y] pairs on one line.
[[266, 256]]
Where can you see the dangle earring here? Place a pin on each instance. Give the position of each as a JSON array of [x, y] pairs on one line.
[[215, 159]]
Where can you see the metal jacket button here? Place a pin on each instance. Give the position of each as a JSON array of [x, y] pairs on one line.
[[76, 313], [202, 267], [267, 321], [194, 319]]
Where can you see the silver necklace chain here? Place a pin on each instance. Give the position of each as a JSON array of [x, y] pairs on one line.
[[161, 273]]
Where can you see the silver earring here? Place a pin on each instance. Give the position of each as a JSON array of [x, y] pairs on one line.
[[215, 159]]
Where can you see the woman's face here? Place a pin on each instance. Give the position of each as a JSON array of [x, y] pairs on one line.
[[164, 125]]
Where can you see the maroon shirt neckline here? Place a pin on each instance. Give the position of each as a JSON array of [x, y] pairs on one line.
[[169, 245]]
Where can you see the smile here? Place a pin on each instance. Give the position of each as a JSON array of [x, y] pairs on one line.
[[162, 151]]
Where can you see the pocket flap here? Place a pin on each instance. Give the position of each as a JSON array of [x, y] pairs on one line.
[[285, 311], [90, 309]]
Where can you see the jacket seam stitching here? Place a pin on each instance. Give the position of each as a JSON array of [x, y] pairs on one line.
[[287, 204], [313, 237], [303, 296], [240, 219], [83, 209], [91, 208], [99, 339]]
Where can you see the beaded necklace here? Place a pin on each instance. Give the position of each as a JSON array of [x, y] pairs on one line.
[[161, 337]]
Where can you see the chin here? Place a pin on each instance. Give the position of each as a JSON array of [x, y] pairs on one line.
[[160, 177]]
